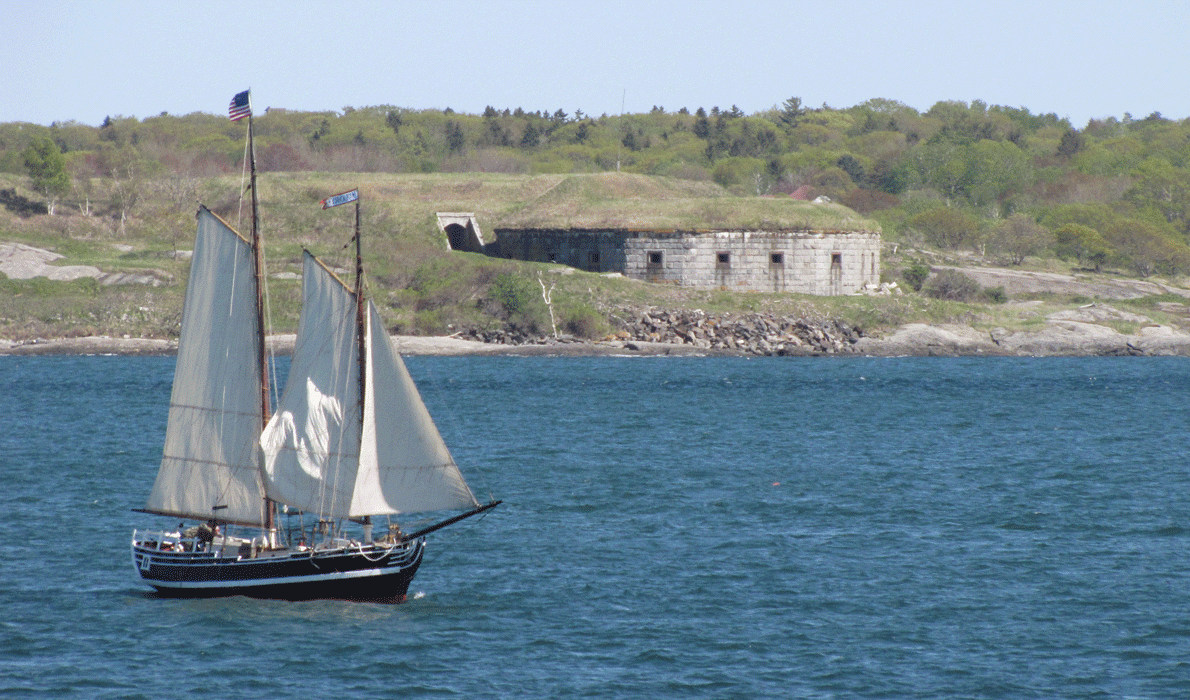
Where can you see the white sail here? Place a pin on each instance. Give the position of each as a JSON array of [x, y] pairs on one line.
[[320, 457], [210, 467], [311, 444], [405, 465]]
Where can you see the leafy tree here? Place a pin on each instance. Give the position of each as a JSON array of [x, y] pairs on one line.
[[891, 175], [995, 170], [945, 227], [1097, 216], [1082, 243], [1110, 157], [1150, 247], [47, 167], [1161, 187], [127, 169], [968, 123], [1019, 236], [1072, 142], [733, 172], [942, 164]]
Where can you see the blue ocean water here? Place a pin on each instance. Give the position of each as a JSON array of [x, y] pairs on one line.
[[672, 528]]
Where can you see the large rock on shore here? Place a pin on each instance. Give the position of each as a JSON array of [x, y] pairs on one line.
[[21, 262], [1076, 332]]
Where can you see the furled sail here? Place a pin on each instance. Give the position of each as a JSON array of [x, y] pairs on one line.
[[211, 465], [320, 455]]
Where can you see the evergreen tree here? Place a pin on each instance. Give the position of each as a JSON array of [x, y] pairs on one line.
[[531, 135], [702, 127], [455, 140], [791, 112]]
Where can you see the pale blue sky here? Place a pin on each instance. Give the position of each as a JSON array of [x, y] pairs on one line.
[[87, 59]]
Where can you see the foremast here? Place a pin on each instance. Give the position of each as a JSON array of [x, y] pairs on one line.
[[367, 323], [361, 340]]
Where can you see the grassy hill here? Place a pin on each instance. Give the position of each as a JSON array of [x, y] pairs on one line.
[[421, 287]]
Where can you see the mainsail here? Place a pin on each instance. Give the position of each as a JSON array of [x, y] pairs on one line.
[[320, 455], [211, 465]]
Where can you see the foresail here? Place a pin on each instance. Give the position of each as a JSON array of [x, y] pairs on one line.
[[210, 465], [317, 458], [405, 466], [311, 444]]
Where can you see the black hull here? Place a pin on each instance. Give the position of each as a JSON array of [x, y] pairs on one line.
[[376, 574]]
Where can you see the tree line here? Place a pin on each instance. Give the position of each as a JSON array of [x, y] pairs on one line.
[[959, 176]]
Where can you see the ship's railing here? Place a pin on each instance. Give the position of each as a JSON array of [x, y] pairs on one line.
[[175, 541]]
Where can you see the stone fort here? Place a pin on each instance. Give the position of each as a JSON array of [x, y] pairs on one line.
[[807, 262]]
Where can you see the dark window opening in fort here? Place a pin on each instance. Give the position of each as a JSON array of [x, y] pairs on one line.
[[836, 260], [593, 258], [723, 259], [457, 236], [553, 257], [776, 258], [655, 258]]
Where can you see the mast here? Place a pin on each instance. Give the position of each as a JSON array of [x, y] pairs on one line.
[[360, 336], [270, 506], [361, 340]]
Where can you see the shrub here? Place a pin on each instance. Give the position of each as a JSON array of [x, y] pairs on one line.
[[951, 285], [995, 295], [585, 322], [429, 322], [868, 201], [915, 276], [521, 300], [515, 293]]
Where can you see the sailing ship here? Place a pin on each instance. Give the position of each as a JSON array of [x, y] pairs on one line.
[[351, 443]]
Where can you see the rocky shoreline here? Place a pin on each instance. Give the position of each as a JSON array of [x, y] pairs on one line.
[[1082, 332]]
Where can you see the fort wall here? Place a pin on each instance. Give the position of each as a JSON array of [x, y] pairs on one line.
[[809, 262]]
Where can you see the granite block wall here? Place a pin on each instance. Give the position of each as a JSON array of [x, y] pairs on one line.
[[808, 262]]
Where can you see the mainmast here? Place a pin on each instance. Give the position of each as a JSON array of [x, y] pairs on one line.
[[242, 105], [258, 254]]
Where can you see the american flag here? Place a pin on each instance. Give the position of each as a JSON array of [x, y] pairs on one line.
[[240, 107]]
